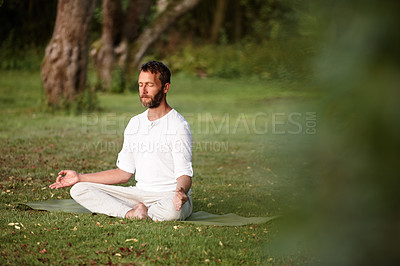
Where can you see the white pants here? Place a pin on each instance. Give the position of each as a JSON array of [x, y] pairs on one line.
[[117, 201]]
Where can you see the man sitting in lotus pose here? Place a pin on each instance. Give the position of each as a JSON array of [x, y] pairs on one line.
[[157, 148]]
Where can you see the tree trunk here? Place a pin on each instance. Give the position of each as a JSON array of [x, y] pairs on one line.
[[64, 66], [157, 27], [161, 5], [219, 17], [135, 13], [104, 56], [237, 35]]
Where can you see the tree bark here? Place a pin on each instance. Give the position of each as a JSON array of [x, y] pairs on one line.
[[157, 27], [104, 56], [134, 15], [219, 17], [161, 5], [64, 66]]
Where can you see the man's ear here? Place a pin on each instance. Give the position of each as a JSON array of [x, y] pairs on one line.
[[166, 87]]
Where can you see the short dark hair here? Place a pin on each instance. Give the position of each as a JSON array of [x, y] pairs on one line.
[[156, 67]]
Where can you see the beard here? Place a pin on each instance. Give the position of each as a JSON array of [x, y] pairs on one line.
[[154, 101]]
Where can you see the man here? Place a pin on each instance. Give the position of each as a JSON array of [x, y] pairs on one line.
[[157, 148]]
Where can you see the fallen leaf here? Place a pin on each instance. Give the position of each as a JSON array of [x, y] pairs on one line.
[[43, 251], [101, 251]]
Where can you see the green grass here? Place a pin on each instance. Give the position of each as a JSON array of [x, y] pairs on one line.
[[242, 163]]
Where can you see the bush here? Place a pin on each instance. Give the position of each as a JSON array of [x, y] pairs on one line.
[[21, 57], [87, 101], [266, 60]]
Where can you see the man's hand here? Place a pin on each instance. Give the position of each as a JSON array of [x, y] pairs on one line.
[[180, 198], [65, 178]]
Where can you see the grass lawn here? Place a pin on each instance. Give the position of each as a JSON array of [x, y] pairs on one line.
[[250, 139]]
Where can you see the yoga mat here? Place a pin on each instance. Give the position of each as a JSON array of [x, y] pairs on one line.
[[229, 219], [65, 205], [200, 217]]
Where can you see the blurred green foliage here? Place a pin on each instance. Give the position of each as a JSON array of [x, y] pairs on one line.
[[267, 60], [118, 81], [350, 213]]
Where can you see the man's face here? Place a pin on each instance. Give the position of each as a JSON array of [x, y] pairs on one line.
[[150, 92]]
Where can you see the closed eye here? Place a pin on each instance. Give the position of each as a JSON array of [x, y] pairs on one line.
[[149, 84]]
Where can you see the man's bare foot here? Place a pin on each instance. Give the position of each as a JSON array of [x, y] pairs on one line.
[[139, 211]]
